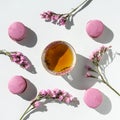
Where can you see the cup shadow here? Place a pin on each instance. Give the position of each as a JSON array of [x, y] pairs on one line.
[[30, 40], [30, 92], [105, 107], [106, 36], [77, 78]]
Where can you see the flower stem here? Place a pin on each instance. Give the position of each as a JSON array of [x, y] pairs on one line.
[[112, 88], [77, 7], [26, 111], [4, 52], [105, 82]]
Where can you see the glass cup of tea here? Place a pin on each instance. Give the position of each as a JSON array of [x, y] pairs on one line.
[[59, 58]]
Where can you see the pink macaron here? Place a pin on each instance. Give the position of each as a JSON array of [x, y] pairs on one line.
[[17, 31], [94, 28], [93, 98], [17, 85]]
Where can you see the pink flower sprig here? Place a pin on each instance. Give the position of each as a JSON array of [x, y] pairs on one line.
[[95, 58], [60, 19], [18, 58], [56, 94]]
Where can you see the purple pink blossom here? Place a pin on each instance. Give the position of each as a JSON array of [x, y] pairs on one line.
[[95, 58], [88, 68], [61, 19], [55, 94], [18, 58], [36, 104], [54, 17], [88, 75], [97, 54]]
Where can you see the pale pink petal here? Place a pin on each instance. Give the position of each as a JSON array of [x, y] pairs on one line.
[[36, 104]]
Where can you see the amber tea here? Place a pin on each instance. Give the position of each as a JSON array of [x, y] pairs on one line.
[[59, 58]]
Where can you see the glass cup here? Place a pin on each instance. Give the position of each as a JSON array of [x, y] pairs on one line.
[[59, 58]]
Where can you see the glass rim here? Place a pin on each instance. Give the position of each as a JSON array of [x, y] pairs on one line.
[[68, 70]]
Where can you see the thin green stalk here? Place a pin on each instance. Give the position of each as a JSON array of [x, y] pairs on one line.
[[4, 52], [112, 88], [105, 81], [77, 7], [26, 111]]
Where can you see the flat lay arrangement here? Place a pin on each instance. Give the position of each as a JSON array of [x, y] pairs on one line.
[[74, 61]]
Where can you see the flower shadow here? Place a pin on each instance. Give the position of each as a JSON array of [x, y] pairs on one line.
[[30, 40], [106, 60], [106, 36], [105, 107], [77, 78], [30, 91], [31, 68], [74, 103], [43, 107], [70, 22]]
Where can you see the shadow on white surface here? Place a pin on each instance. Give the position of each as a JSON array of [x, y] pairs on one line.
[[30, 92], [106, 60], [77, 77], [43, 107], [31, 69], [106, 36], [105, 107], [70, 21], [30, 39]]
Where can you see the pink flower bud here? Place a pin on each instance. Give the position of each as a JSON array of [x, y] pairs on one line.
[[60, 98], [62, 21], [88, 75], [52, 94], [36, 104], [56, 91], [43, 93], [88, 68], [20, 59], [67, 100], [55, 17]]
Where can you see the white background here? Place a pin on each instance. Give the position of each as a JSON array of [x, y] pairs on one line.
[[40, 34]]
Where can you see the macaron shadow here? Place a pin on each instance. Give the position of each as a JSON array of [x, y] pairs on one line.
[[76, 78], [105, 107], [30, 40], [30, 92], [106, 36]]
